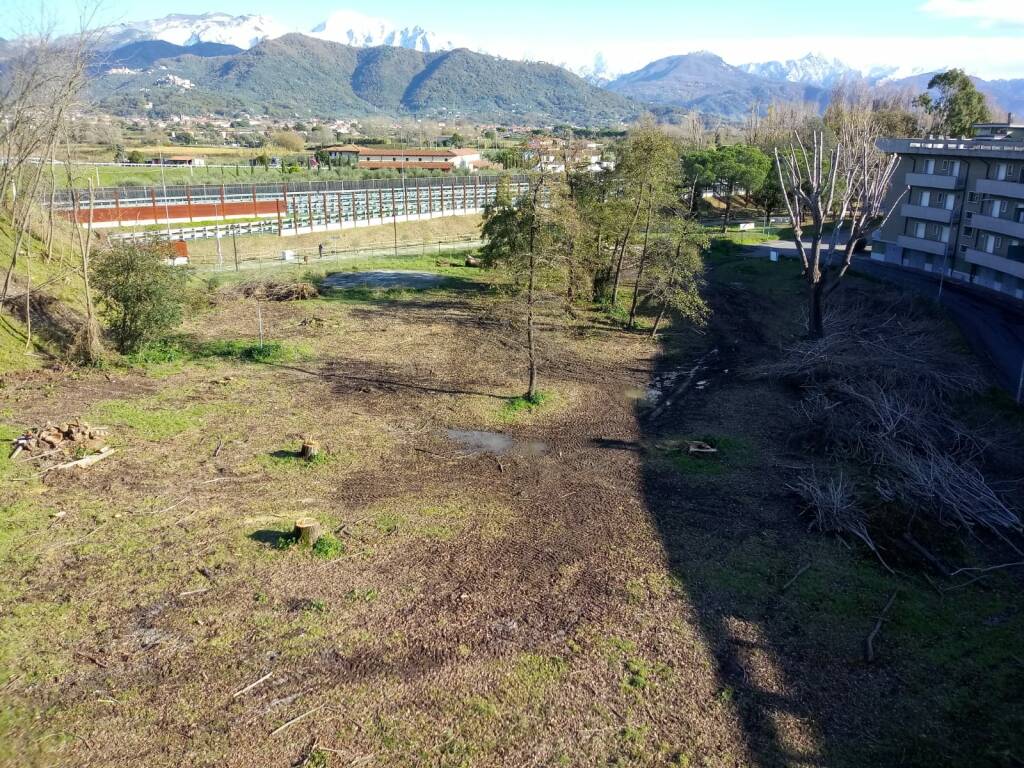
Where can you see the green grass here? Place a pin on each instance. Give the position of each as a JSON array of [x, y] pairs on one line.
[[181, 349], [328, 547], [149, 423], [522, 405], [289, 459], [733, 453]]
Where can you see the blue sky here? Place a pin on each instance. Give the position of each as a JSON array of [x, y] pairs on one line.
[[984, 36]]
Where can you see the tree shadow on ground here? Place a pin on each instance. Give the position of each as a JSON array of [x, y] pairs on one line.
[[275, 539], [729, 537]]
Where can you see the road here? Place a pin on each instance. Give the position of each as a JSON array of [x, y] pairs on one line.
[[992, 325]]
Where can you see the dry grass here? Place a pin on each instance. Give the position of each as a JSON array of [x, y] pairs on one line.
[[574, 601]]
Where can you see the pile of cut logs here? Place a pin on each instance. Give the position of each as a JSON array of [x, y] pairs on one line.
[[62, 440]]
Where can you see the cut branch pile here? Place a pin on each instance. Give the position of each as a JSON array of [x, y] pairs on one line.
[[63, 439], [278, 290], [879, 401]]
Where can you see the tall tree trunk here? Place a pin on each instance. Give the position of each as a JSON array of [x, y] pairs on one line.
[[816, 318], [643, 259], [659, 318], [531, 343], [624, 244], [28, 301], [49, 213], [728, 208]]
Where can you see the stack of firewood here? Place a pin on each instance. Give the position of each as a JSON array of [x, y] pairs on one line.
[[52, 439]]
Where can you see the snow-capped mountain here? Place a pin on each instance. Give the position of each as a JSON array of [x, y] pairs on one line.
[[187, 29], [353, 28], [596, 73], [812, 69], [348, 27]]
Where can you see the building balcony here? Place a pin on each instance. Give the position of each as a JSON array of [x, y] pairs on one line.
[[998, 226], [1013, 189], [926, 213], [933, 181], [934, 247], [995, 262]]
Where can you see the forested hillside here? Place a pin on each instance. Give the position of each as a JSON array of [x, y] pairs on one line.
[[299, 74]]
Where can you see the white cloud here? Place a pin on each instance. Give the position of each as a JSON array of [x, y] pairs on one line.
[[987, 12]]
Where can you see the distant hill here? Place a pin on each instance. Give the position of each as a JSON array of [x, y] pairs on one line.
[[704, 82], [296, 74], [145, 53]]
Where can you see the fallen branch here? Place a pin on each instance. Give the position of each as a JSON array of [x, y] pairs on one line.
[[796, 576], [250, 686], [986, 570], [296, 719], [88, 461], [937, 564], [869, 641], [97, 661]]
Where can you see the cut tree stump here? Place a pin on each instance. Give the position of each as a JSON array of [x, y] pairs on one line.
[[309, 450], [307, 531]]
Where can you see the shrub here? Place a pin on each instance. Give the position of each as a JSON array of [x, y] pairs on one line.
[[140, 293]]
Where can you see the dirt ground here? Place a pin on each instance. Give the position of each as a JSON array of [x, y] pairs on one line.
[[585, 597]]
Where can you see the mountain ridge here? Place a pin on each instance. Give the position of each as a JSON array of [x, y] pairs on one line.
[[297, 74]]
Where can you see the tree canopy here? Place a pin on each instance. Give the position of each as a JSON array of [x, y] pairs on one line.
[[957, 105]]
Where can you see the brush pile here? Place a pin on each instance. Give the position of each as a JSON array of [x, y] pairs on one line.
[[880, 395], [278, 290]]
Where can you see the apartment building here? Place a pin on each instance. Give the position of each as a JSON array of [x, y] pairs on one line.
[[961, 207]]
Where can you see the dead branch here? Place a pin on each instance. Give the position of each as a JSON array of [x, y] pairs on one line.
[[869, 641]]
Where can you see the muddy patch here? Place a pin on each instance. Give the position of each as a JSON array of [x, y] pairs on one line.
[[383, 278], [497, 443]]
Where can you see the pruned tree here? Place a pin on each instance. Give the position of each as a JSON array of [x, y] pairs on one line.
[[845, 186]]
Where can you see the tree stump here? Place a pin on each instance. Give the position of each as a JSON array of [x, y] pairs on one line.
[[307, 531], [309, 450]]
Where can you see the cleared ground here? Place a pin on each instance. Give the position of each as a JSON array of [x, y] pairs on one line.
[[574, 593]]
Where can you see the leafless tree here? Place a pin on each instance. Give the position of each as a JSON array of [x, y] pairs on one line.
[[846, 186], [38, 93]]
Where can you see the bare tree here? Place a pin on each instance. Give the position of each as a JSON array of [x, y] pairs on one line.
[[38, 92], [847, 185]]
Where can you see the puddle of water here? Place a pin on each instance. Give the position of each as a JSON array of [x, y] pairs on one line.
[[481, 441], [383, 278]]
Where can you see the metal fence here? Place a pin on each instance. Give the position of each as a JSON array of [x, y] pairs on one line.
[[108, 197]]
